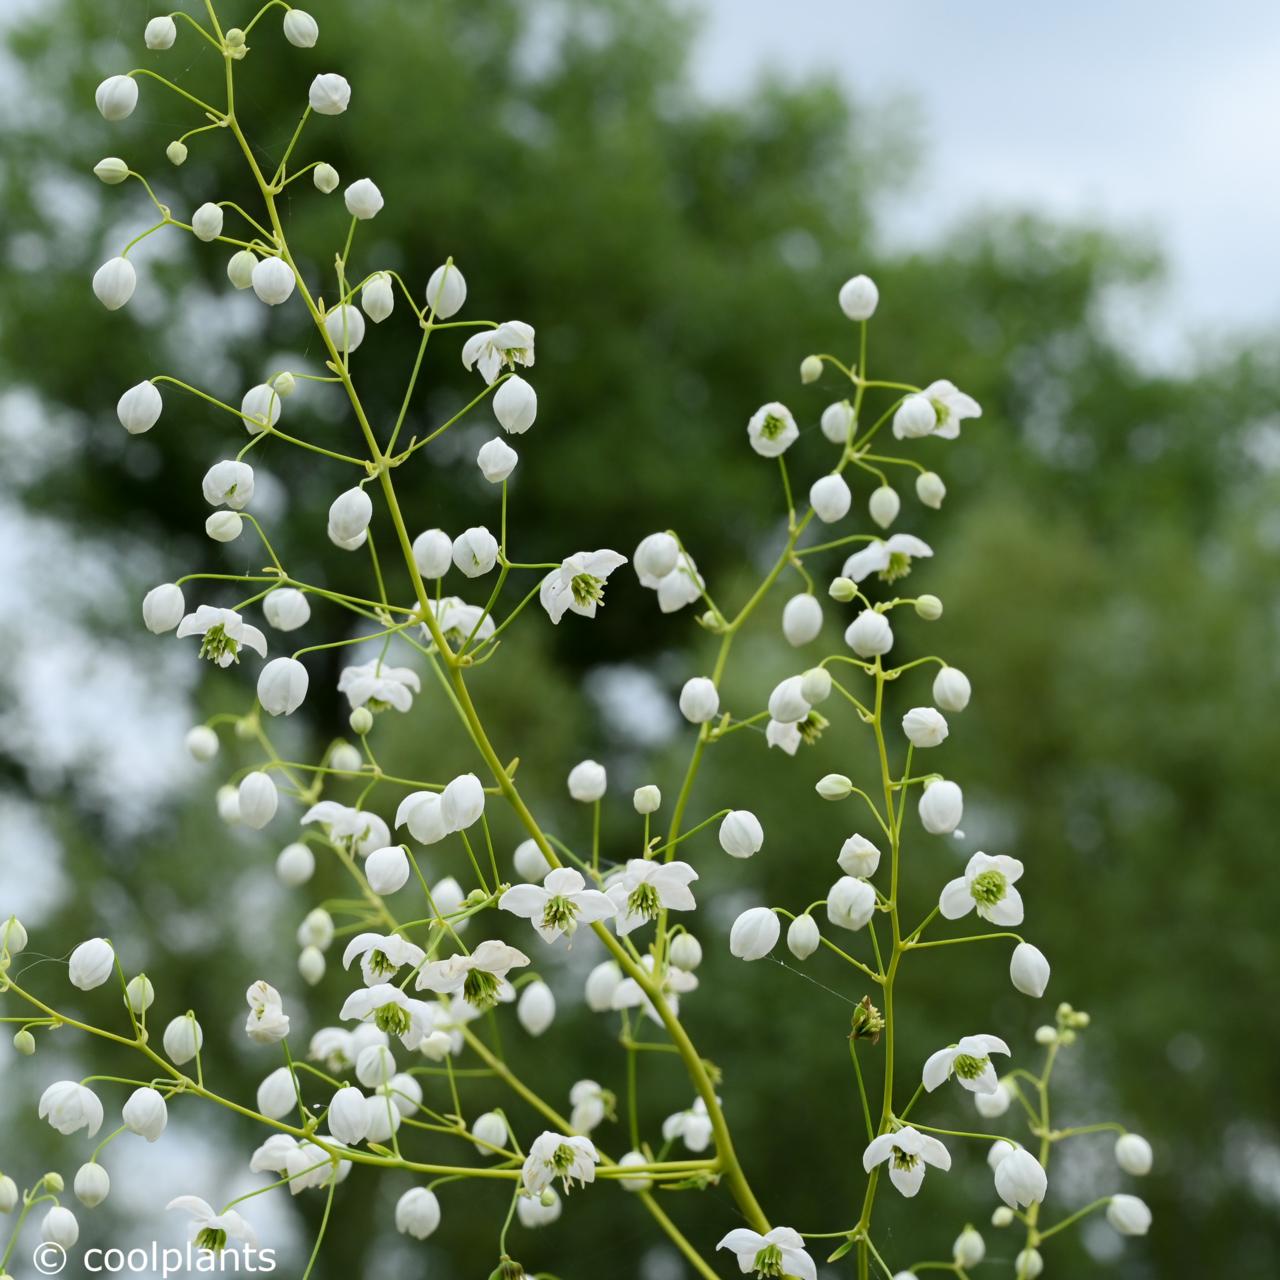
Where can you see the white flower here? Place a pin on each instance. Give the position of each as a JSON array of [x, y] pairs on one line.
[[509, 345], [267, 1022], [951, 407], [116, 98], [59, 1226], [92, 1186], [139, 408], [1020, 1179], [145, 1114], [111, 170], [914, 417], [692, 1127], [1029, 970], [672, 983], [1133, 1154], [459, 621], [1129, 1215], [420, 812], [160, 33], [941, 807], [480, 976], [587, 781], [278, 1094], [590, 1103], [213, 1231], [316, 929], [475, 551], [801, 619], [201, 743], [223, 633], [91, 964], [377, 297], [578, 584], [951, 689], [433, 553], [837, 421], [390, 1010], [969, 1248], [515, 405], [785, 736], [859, 298], [553, 1155], [363, 199], [462, 802], [699, 700], [646, 799], [682, 586], [345, 327], [354, 829], [655, 557], [258, 799], [602, 983], [282, 686], [559, 905], [68, 1106], [772, 430], [987, 884], [230, 483], [349, 1116], [539, 1211], [240, 268], [930, 489], [417, 1213], [387, 870], [830, 498], [890, 558], [530, 862], [349, 515], [850, 903], [382, 686], [647, 887], [629, 1160], [803, 936], [329, 94], [787, 704], [260, 408], [496, 460], [287, 609], [1028, 1265], [224, 526], [300, 29], [858, 857], [536, 1008], [779, 1252], [741, 834], [115, 281], [382, 955], [869, 634], [183, 1039], [883, 505], [907, 1152], [924, 727], [970, 1060], [273, 281], [754, 934], [996, 1103], [446, 291]]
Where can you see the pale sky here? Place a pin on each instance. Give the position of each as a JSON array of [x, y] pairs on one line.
[[1155, 115]]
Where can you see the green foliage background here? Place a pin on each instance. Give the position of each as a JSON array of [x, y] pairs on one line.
[[1107, 556]]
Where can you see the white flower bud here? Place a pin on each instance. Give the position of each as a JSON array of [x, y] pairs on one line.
[[969, 1248], [240, 267], [786, 703], [810, 369], [387, 870], [163, 607], [176, 153], [930, 489], [1046, 1035], [316, 929], [1020, 1179], [924, 727], [489, 1130], [641, 1183], [282, 686], [914, 417], [116, 97], [139, 994], [145, 1113], [433, 553], [13, 937], [842, 590], [475, 551], [587, 781], [951, 689], [139, 408], [287, 609], [160, 33], [325, 177], [311, 965], [884, 505], [258, 799], [850, 903], [261, 408], [329, 95], [1002, 1217], [647, 799], [350, 514], [201, 743], [815, 685], [602, 982], [515, 405], [273, 281], [1129, 1215], [830, 498], [539, 1211], [994, 1104], [91, 964], [655, 557], [92, 1185], [417, 1213], [345, 327], [375, 1065], [224, 526], [859, 297], [346, 758], [1029, 970], [536, 1008], [277, 1094], [869, 634], [496, 460], [295, 865], [834, 786], [111, 170], [741, 834], [446, 291], [858, 857], [754, 934], [801, 619], [941, 807], [300, 29], [803, 936], [837, 421], [686, 952], [206, 222], [530, 862], [377, 297], [361, 721], [699, 700], [114, 282], [228, 803], [349, 1116], [462, 803], [363, 199], [183, 1039], [928, 607], [1133, 1154], [1028, 1265], [228, 482], [60, 1227]]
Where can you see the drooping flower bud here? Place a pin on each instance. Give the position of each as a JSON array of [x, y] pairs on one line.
[[1129, 1215], [515, 405], [930, 489], [830, 498], [475, 551], [329, 95], [754, 934], [325, 177], [815, 685], [240, 267], [686, 952], [345, 327], [969, 1248], [915, 417], [183, 1039], [311, 967], [884, 505], [91, 964], [810, 369], [160, 33], [1029, 970], [145, 1113], [163, 607], [951, 689], [273, 281], [139, 408], [258, 799], [834, 786], [699, 700], [92, 1184], [496, 460], [446, 291], [228, 482], [282, 686], [536, 1008], [201, 743], [378, 298], [387, 869], [1133, 1154], [224, 526], [928, 607], [925, 727], [656, 556], [837, 421], [801, 619], [350, 514], [859, 297], [176, 153], [295, 865], [363, 199], [115, 281], [287, 609], [941, 807], [850, 903], [300, 29], [858, 857], [741, 834], [433, 553], [116, 97], [869, 634], [206, 222], [803, 936]]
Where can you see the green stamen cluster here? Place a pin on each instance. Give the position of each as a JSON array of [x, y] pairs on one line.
[[560, 913], [480, 989], [393, 1019], [216, 643], [988, 888], [769, 1261], [212, 1238], [643, 901], [968, 1067], [587, 588]]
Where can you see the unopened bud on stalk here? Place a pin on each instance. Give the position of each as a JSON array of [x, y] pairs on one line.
[[176, 152], [111, 170], [325, 177], [834, 786], [810, 369], [929, 608], [361, 721], [842, 590], [25, 1043], [815, 685]]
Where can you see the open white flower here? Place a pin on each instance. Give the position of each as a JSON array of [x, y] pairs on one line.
[[391, 1011], [382, 955], [570, 1158], [772, 430], [692, 1127], [578, 584], [969, 1060], [645, 887], [376, 685], [356, 830], [890, 558], [480, 976], [987, 884], [508, 345], [907, 1151], [951, 406], [779, 1252], [69, 1106], [213, 1231], [267, 1022], [223, 634], [559, 905], [459, 621]]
